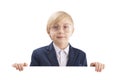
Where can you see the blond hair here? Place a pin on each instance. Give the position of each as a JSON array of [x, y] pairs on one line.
[[56, 17]]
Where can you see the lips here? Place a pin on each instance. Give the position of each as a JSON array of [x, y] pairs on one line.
[[60, 37]]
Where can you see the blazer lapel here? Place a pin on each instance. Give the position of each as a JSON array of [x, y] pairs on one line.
[[71, 57], [52, 55]]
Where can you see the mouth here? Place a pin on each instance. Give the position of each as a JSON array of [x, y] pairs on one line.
[[60, 37]]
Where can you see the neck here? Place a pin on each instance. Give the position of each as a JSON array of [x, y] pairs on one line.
[[62, 45]]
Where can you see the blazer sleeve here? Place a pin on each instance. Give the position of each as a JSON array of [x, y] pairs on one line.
[[82, 59], [34, 59], [85, 60]]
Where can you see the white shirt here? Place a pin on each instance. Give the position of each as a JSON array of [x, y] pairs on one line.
[[62, 55]]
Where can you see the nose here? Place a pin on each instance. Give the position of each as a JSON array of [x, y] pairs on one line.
[[61, 30]]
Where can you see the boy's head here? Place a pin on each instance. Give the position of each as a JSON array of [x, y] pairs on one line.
[[60, 27], [57, 17]]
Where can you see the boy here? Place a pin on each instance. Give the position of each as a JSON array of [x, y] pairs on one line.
[[60, 27]]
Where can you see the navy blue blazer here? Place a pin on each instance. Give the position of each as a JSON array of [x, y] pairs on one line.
[[46, 56]]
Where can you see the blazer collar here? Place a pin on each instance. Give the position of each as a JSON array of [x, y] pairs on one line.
[[72, 56], [52, 55]]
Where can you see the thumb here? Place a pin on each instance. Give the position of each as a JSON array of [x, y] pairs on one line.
[[92, 64], [25, 64]]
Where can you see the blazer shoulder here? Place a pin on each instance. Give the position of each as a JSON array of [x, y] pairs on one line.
[[78, 50], [41, 48], [44, 48]]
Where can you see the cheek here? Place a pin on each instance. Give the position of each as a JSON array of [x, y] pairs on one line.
[[51, 35], [69, 34]]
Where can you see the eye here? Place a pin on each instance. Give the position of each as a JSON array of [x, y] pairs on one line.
[[66, 26], [55, 27]]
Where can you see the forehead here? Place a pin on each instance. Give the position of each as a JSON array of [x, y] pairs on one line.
[[64, 21]]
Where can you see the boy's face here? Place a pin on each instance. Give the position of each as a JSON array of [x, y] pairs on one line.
[[61, 31]]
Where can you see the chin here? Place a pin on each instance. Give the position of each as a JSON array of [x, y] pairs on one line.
[[62, 41]]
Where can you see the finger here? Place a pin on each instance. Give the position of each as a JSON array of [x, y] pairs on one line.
[[22, 65], [100, 66], [19, 67], [96, 66], [14, 65], [25, 64]]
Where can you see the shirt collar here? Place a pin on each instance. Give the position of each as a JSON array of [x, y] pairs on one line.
[[57, 49]]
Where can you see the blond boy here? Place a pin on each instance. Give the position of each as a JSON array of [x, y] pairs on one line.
[[60, 27]]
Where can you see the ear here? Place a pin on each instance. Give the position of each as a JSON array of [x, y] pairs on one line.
[[49, 34]]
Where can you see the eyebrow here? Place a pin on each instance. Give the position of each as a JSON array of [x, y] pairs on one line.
[[63, 24], [67, 24]]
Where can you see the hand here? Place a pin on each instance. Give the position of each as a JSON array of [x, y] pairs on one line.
[[19, 66], [98, 66]]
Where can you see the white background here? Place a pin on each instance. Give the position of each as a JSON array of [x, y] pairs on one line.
[[23, 29]]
